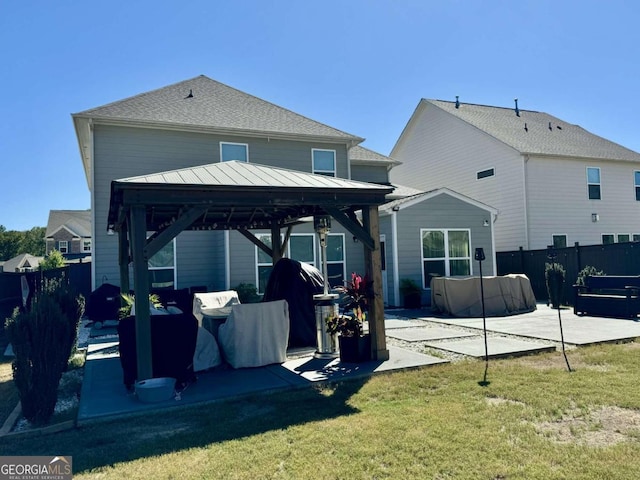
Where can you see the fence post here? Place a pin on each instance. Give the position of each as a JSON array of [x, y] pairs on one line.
[[521, 259], [578, 259]]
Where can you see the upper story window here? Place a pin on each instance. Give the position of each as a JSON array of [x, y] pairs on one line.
[[86, 245], [593, 183], [234, 151], [63, 246], [636, 181], [608, 238], [324, 162], [485, 173]]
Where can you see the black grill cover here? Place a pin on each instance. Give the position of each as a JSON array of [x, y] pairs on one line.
[[296, 283], [103, 303]]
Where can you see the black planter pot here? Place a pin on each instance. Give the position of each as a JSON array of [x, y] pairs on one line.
[[412, 300], [355, 349]]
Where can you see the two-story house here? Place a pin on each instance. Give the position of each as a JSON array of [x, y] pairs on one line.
[[186, 128], [69, 232], [553, 183]]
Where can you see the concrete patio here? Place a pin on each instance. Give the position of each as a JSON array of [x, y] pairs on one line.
[[409, 333]]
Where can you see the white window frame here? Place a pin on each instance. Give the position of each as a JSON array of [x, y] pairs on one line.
[[636, 184], [63, 246], [447, 258], [258, 264], [486, 170], [86, 241], [344, 255], [628, 235], [245, 145], [612, 235], [599, 184], [635, 237], [566, 239], [315, 247], [329, 173], [174, 267]]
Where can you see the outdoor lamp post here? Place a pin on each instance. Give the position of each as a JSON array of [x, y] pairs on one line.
[[552, 256], [479, 256], [326, 304]]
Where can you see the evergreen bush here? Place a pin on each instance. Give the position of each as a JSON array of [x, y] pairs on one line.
[[43, 339]]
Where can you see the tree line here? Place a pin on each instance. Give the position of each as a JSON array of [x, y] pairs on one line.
[[14, 243]]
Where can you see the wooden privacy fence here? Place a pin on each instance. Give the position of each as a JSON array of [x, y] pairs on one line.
[[77, 275], [613, 259]]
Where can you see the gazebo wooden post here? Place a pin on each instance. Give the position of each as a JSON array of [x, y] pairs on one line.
[[373, 268], [141, 290], [276, 243]]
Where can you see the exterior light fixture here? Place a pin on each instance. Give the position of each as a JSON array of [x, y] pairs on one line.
[[595, 217]]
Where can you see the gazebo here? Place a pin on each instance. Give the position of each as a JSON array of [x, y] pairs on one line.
[[237, 196]]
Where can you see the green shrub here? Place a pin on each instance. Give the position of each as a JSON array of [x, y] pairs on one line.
[[587, 271], [554, 274], [247, 293], [43, 339]]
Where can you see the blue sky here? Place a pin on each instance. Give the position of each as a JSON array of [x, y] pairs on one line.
[[360, 66]]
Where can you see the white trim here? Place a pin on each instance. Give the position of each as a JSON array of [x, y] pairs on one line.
[[385, 281], [394, 249], [175, 264], [421, 197], [322, 172], [316, 260], [66, 246], [344, 255], [636, 186], [227, 261], [82, 240], [93, 211], [602, 238], [493, 245], [75, 234], [618, 237], [245, 145]]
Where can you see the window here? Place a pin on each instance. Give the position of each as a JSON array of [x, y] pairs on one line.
[[559, 241], [485, 173], [162, 272], [324, 162], [445, 253], [63, 246], [636, 237], [624, 237], [86, 245], [593, 183], [302, 247], [636, 181], [234, 151], [607, 238], [264, 263], [335, 259]]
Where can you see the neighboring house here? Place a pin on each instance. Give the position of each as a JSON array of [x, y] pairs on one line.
[[22, 263], [552, 182], [69, 232], [199, 122], [435, 233]]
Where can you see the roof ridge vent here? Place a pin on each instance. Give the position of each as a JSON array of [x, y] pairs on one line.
[[517, 109], [457, 101]]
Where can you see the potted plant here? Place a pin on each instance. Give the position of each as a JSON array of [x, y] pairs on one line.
[[354, 344], [411, 293], [554, 274]]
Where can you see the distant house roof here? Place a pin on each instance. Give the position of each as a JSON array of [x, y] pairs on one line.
[[412, 199], [203, 102], [365, 156], [78, 222], [23, 260], [536, 133]]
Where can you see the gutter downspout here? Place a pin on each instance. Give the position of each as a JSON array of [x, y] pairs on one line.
[[525, 199], [394, 250], [93, 205]]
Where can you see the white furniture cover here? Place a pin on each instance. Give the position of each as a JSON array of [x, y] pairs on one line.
[[255, 334], [214, 304], [207, 354], [460, 297]]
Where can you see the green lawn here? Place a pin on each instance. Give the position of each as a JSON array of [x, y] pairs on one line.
[[533, 421]]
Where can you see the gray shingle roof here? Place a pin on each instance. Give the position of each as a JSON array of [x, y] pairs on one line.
[[77, 221], [544, 133], [205, 103], [365, 155], [24, 260]]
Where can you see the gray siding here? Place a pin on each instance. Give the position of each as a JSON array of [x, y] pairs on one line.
[[370, 173], [121, 152]]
